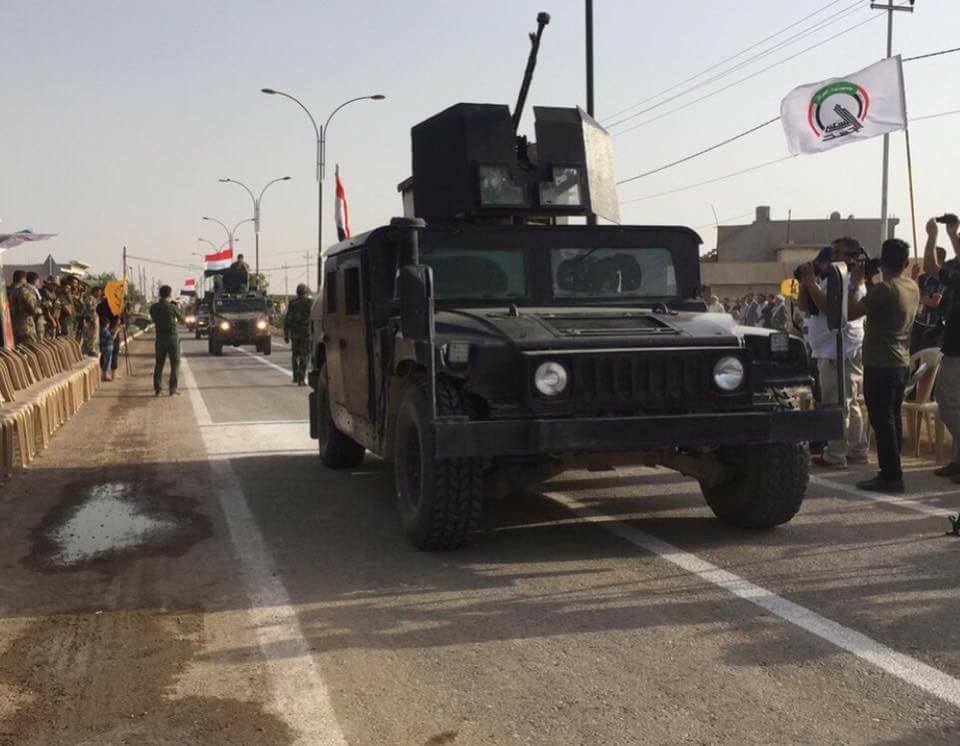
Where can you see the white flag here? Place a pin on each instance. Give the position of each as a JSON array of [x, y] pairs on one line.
[[9, 240], [835, 112]]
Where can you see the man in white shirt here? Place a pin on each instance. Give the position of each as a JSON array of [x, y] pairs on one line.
[[823, 346], [715, 306]]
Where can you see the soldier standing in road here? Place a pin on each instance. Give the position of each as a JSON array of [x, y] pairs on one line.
[[166, 315], [296, 331]]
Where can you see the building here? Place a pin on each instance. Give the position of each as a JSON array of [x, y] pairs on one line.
[[759, 256], [48, 266]]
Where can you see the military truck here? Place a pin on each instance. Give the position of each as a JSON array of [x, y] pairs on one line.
[[239, 313], [483, 344]]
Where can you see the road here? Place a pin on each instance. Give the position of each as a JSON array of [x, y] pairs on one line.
[[183, 570]]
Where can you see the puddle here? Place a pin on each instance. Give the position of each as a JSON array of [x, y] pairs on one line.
[[108, 521]]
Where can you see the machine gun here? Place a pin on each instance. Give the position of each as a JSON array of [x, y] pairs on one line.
[[542, 20]]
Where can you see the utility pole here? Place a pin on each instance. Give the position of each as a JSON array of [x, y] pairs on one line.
[[889, 8], [286, 281], [591, 217]]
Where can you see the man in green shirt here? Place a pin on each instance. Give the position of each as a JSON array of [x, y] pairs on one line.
[[166, 315], [890, 307]]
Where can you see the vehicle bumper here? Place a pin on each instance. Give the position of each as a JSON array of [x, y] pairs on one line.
[[459, 438]]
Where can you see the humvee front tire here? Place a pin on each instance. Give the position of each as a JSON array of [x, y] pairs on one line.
[[265, 345], [337, 450], [767, 489], [440, 500]]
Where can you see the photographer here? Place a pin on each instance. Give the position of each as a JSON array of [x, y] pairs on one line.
[[948, 379], [823, 348], [890, 307]]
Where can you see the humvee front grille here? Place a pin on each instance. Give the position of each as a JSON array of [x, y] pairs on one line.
[[668, 380]]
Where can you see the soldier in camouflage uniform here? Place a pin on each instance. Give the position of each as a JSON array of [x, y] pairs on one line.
[[91, 322], [69, 308], [296, 331], [49, 324], [24, 309]]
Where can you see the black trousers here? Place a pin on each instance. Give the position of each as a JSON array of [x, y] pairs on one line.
[[883, 391]]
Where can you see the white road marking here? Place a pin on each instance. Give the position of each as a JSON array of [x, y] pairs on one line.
[[929, 679], [300, 695], [908, 502], [260, 359], [907, 669]]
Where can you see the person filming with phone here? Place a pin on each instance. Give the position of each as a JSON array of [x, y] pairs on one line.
[[948, 379]]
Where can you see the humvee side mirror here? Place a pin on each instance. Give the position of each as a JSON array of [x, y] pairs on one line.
[[415, 291]]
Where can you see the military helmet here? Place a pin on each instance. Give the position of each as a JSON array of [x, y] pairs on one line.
[[302, 290]]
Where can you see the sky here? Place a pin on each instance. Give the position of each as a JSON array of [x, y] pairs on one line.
[[117, 118]]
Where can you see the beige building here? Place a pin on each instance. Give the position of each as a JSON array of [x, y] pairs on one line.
[[757, 257]]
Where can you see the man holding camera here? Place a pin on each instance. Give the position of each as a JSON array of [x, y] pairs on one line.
[[823, 347], [948, 379], [890, 307]]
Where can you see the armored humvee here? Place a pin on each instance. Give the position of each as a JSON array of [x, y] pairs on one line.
[[481, 343], [239, 313]]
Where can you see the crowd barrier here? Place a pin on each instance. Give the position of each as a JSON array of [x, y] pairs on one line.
[[42, 384]]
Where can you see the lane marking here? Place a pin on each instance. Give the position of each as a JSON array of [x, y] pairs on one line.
[[300, 695], [241, 423], [256, 356], [899, 501], [929, 679]]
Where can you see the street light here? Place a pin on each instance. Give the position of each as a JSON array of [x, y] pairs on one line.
[[256, 213], [230, 233], [321, 133]]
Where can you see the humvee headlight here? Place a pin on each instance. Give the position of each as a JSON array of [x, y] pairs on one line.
[[779, 343], [225, 325], [551, 379], [191, 319], [728, 373], [262, 324]]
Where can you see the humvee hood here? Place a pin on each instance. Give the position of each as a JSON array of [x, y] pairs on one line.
[[544, 327], [240, 315]]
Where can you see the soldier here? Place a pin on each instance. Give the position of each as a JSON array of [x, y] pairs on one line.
[[296, 332], [23, 308], [50, 305], [91, 323], [39, 315], [69, 308], [166, 315]]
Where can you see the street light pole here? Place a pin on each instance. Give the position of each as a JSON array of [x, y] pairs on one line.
[[320, 133], [230, 232], [256, 213]]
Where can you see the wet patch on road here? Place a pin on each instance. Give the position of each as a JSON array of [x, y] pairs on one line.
[[105, 678], [104, 525]]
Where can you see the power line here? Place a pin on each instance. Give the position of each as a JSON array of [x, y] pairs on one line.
[[829, 21], [716, 223], [159, 261], [761, 165], [709, 181], [932, 54], [702, 152], [749, 77], [728, 59]]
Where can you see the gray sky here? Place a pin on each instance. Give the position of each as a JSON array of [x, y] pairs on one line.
[[119, 117]]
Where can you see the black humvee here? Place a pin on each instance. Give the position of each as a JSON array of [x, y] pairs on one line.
[[492, 346], [239, 313]]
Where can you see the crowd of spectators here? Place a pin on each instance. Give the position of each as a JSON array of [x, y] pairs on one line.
[[65, 307]]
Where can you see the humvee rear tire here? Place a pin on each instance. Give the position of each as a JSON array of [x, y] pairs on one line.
[[440, 500], [337, 450], [768, 488]]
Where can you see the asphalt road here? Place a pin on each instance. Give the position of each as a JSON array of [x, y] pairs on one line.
[[183, 570]]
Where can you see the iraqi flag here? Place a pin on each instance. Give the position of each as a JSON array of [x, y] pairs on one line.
[[218, 260], [189, 286], [340, 210], [825, 115]]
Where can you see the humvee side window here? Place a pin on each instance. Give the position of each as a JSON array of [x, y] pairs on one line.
[[330, 288], [351, 291], [613, 273], [477, 274]]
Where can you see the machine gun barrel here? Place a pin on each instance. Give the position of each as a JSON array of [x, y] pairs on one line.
[[542, 20]]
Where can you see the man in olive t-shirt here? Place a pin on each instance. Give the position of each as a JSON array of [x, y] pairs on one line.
[[890, 307], [166, 316]]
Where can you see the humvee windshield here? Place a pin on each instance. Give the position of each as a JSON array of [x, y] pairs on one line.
[[596, 274]]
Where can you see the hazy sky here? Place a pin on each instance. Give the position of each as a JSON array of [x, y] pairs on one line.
[[119, 117]]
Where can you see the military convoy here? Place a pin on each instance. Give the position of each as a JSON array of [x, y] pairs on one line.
[[239, 313], [482, 344]]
